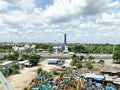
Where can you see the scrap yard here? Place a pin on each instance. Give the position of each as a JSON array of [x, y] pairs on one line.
[[67, 80]]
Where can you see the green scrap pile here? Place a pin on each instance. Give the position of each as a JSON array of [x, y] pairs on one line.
[[9, 71]]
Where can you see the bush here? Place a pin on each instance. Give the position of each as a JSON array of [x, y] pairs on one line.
[[91, 58], [13, 56], [15, 71], [81, 58], [39, 70], [25, 57], [73, 62], [89, 65], [49, 74], [55, 72], [14, 65], [78, 65], [7, 71]]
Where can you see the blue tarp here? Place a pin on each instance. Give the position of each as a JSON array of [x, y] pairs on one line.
[[98, 84], [110, 88], [98, 79]]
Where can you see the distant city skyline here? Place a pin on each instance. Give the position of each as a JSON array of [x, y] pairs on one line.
[[46, 21]]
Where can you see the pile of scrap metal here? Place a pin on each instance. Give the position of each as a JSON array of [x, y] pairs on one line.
[[78, 84], [68, 82]]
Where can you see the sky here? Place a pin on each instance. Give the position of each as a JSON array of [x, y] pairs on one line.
[[46, 21]]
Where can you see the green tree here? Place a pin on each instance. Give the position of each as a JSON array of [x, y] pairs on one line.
[[16, 55], [34, 59], [50, 49], [116, 55], [79, 49], [10, 57], [74, 60]]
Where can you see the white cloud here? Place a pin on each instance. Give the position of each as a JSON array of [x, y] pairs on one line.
[[105, 18], [59, 34], [12, 30], [79, 18], [3, 5], [58, 13], [78, 35], [29, 31], [25, 5], [114, 4]]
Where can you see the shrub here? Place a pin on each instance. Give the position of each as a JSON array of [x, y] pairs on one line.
[[39, 70], [55, 72], [24, 57], [13, 56], [78, 65], [81, 58], [7, 71], [15, 71], [73, 62], [89, 65], [91, 58], [14, 65]]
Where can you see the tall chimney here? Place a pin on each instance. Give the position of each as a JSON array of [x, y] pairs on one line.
[[65, 42]]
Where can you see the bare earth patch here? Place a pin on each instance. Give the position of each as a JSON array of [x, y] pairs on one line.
[[19, 81]]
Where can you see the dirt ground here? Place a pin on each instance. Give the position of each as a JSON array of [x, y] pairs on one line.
[[108, 65], [19, 81]]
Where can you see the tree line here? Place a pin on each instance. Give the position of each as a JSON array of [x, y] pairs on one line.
[[77, 48], [92, 48]]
